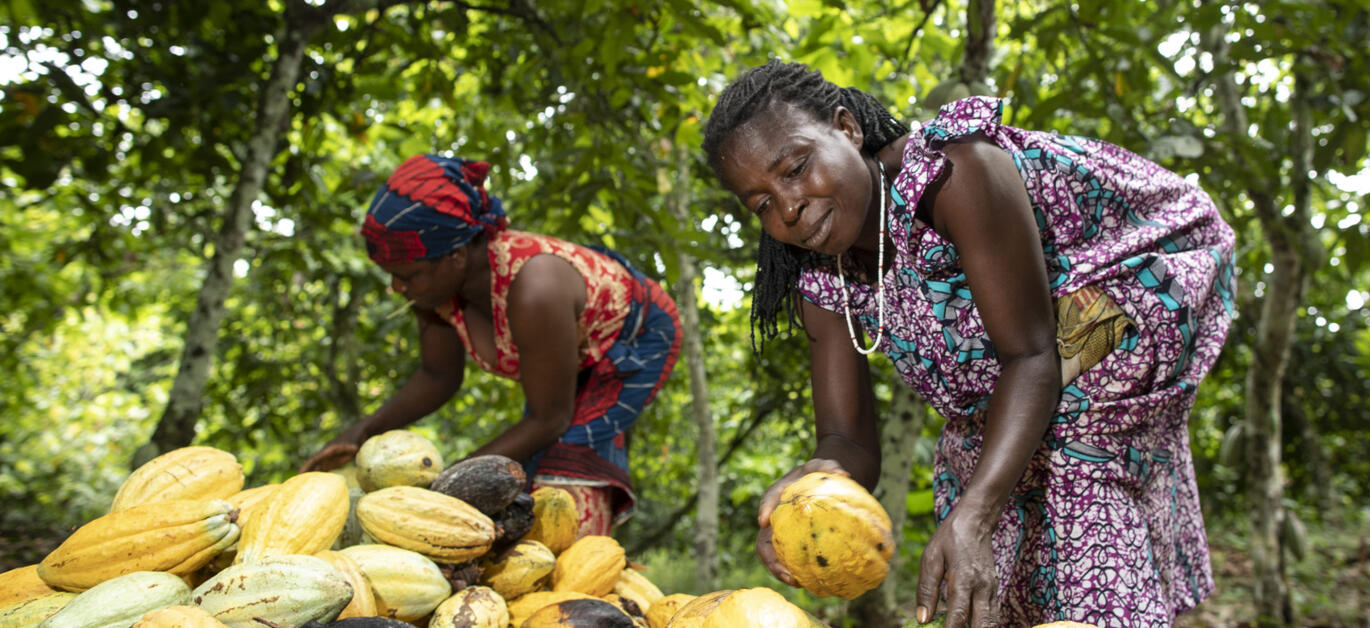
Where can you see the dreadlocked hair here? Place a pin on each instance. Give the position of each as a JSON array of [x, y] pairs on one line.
[[756, 91]]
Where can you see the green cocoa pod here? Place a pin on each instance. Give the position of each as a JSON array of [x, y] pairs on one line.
[[121, 601]]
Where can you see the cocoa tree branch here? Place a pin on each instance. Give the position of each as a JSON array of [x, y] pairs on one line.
[[763, 409]]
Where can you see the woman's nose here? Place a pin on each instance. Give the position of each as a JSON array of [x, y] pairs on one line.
[[790, 208]]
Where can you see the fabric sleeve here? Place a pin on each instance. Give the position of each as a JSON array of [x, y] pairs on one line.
[[964, 117]]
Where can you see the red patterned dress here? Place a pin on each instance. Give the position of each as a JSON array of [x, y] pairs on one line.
[[629, 339]]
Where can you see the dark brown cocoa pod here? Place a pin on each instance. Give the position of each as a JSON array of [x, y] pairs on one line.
[[361, 622], [462, 575], [581, 614], [512, 523], [488, 483]]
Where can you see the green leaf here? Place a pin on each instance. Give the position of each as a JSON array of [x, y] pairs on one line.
[[919, 502]]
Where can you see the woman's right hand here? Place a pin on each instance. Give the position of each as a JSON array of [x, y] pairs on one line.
[[336, 453], [770, 499]]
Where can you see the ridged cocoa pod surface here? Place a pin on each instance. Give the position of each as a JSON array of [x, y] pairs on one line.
[[179, 617], [302, 517], [580, 614], [519, 570], [407, 585], [397, 458], [524, 606], [361, 622], [21, 583], [177, 536], [636, 587], [441, 527], [556, 522], [287, 590], [32, 611], [119, 602], [363, 603], [472, 607], [661, 611], [756, 607], [694, 612], [488, 483], [201, 473], [591, 565]]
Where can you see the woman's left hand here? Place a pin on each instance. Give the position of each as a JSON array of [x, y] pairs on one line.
[[960, 553]]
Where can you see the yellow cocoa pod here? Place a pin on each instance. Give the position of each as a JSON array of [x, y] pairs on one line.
[[832, 535], [518, 570], [662, 610], [407, 585], [636, 587], [694, 612], [177, 536], [121, 601], [200, 473], [472, 607], [442, 528], [303, 516], [32, 611], [629, 607], [591, 566], [363, 602], [179, 617], [248, 500], [522, 608], [397, 458], [756, 607], [589, 613], [21, 583], [556, 522]]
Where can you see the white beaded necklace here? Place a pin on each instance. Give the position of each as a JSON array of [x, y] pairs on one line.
[[880, 278]]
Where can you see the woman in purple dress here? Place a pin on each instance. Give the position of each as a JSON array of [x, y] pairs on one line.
[[1057, 299]]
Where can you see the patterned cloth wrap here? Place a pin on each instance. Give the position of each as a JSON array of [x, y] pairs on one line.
[[1105, 525], [609, 397], [630, 338], [428, 208]]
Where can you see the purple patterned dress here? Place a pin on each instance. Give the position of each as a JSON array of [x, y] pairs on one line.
[[1105, 526]]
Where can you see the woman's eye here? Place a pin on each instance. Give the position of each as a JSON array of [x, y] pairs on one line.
[[761, 207], [798, 168]]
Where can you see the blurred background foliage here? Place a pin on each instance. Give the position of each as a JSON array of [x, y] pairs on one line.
[[125, 130]]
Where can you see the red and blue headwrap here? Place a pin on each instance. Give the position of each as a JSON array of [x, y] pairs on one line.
[[428, 208]]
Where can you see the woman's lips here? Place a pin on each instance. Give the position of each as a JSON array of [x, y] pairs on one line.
[[820, 233]]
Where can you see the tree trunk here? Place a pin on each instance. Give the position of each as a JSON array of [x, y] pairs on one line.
[[343, 387], [176, 428], [1265, 481], [903, 423], [1320, 491], [1292, 247], [980, 25], [706, 513]]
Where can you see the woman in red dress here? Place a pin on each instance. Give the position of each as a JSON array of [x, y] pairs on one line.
[[589, 338]]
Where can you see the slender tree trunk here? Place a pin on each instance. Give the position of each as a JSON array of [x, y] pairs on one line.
[[1310, 444], [1292, 248], [177, 425], [343, 387], [980, 26], [903, 423], [706, 513]]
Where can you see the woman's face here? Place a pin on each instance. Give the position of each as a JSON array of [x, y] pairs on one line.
[[428, 283], [804, 178]]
